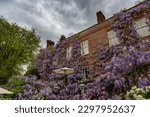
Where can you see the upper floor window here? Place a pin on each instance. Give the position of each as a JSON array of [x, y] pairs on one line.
[[84, 48], [113, 40], [141, 27], [68, 52]]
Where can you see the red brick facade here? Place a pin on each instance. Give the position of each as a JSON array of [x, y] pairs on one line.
[[96, 34]]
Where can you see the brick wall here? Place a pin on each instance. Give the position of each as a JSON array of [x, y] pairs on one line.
[[96, 35]]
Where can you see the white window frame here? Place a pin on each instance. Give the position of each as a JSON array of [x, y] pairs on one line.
[[85, 73], [141, 27], [112, 38], [69, 52], [84, 47]]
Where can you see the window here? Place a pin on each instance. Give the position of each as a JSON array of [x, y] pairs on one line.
[[84, 48], [59, 61], [113, 40], [68, 52], [142, 28], [85, 73]]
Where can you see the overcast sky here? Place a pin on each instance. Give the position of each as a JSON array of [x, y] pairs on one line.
[[52, 18]]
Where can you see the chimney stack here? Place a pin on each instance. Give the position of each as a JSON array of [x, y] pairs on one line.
[[50, 45], [100, 17]]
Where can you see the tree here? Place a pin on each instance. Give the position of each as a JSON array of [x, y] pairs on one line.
[[18, 46]]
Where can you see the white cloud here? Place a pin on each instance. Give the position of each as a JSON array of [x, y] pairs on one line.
[[114, 6], [52, 18]]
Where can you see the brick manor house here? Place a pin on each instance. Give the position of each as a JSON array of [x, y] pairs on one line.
[[101, 34]]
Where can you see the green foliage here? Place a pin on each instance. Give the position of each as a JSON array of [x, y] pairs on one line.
[[18, 46], [31, 70], [14, 85], [138, 70]]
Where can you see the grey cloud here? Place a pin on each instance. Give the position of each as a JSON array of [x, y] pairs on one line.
[[51, 18]]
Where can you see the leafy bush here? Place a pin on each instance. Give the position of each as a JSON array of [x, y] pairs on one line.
[[139, 93], [14, 85]]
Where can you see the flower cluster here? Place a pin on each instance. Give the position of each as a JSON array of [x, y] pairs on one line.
[[139, 93]]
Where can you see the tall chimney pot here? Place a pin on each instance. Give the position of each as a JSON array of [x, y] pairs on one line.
[[100, 17], [50, 45]]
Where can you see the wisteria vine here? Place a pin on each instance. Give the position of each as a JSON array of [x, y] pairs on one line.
[[114, 65]]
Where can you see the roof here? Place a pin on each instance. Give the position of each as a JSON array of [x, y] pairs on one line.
[[93, 26]]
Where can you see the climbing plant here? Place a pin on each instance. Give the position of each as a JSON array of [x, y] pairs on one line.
[[117, 65]]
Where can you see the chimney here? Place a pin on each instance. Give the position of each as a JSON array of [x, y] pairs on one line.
[[50, 45], [100, 17]]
